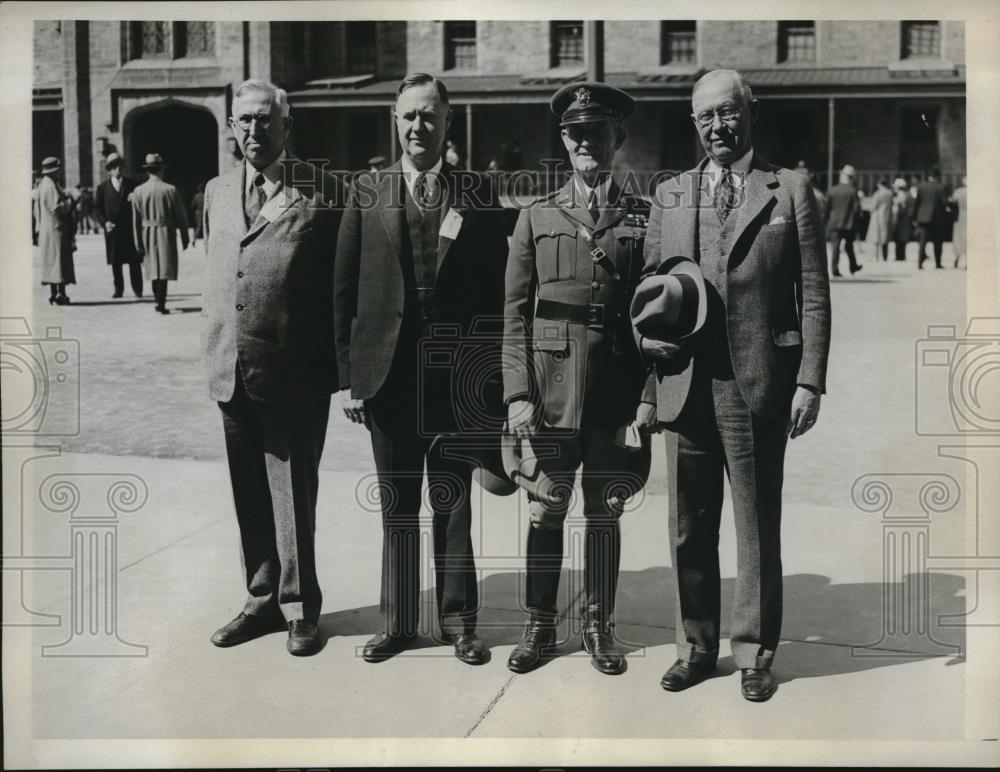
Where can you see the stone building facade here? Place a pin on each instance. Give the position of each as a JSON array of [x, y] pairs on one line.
[[885, 96]]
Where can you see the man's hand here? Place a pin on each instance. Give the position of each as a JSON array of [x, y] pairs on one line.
[[661, 349], [645, 418], [521, 419], [805, 411], [355, 410]]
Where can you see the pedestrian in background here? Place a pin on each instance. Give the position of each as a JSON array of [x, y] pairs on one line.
[[960, 205], [931, 215], [198, 214], [821, 202], [842, 220], [880, 222], [56, 232], [114, 209], [158, 218], [902, 216]]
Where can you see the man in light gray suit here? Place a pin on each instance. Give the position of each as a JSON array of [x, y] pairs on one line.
[[270, 233], [749, 379]]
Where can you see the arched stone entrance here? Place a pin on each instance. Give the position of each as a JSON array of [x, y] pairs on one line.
[[187, 137]]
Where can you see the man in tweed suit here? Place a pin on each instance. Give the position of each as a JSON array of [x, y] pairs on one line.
[[420, 264], [753, 375], [269, 238]]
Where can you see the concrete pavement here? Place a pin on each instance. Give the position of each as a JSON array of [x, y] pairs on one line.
[[144, 414]]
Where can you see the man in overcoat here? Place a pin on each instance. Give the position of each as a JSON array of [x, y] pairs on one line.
[[577, 378], [270, 230], [419, 292], [114, 211], [157, 220], [750, 378]]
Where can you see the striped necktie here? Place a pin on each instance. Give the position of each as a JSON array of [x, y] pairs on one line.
[[255, 198], [725, 194]]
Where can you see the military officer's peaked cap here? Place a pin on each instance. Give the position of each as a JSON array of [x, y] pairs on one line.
[[589, 102]]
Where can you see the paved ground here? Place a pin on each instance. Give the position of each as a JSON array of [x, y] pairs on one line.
[[144, 413]]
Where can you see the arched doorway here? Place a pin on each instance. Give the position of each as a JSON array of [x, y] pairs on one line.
[[185, 135]]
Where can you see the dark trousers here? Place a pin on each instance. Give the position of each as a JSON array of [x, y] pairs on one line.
[[134, 276], [835, 238], [931, 233], [160, 292], [274, 453], [400, 455], [900, 250], [717, 433], [610, 475]]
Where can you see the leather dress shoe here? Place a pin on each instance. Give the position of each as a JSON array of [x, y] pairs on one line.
[[757, 684], [470, 648], [303, 638], [683, 674], [384, 646], [245, 628], [537, 642], [605, 655]]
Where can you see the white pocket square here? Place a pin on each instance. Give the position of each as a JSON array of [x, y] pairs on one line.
[[779, 220]]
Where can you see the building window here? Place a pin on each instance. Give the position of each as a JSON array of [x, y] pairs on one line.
[[921, 40], [796, 41], [170, 40], [460, 45], [677, 42], [197, 38], [361, 51], [567, 43], [150, 39]]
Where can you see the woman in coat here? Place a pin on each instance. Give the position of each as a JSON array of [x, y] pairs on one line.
[[56, 231], [961, 206], [158, 218], [880, 223], [902, 216]]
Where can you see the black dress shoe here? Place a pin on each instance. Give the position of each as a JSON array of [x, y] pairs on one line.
[[245, 628], [470, 649], [757, 684], [117, 295], [855, 269], [683, 674], [605, 655], [303, 638], [383, 646], [537, 643]]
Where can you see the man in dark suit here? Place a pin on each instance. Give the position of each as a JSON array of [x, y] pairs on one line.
[[420, 256], [753, 374], [577, 377], [114, 211], [931, 214], [843, 210], [269, 239]]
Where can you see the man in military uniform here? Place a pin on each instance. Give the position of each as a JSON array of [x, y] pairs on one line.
[[575, 386]]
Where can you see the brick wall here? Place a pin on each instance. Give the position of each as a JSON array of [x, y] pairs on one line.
[[392, 49], [737, 43], [424, 47], [513, 46], [48, 45], [631, 45]]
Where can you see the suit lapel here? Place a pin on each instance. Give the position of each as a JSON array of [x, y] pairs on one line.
[[230, 196], [392, 217], [757, 188]]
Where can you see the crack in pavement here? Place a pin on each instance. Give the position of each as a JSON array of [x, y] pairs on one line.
[[493, 702]]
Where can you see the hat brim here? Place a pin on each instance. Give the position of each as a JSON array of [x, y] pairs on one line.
[[684, 266]]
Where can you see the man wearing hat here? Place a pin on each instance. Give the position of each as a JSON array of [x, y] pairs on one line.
[[114, 210], [56, 232], [747, 380], [157, 219], [844, 212], [574, 383]]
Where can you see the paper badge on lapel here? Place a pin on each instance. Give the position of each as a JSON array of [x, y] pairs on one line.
[[451, 225]]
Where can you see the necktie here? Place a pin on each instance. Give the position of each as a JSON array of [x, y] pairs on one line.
[[255, 199], [592, 206], [725, 194], [424, 189]]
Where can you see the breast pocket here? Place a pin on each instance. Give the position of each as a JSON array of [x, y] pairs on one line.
[[555, 253]]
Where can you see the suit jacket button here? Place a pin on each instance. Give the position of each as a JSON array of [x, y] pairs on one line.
[[239, 306], [240, 274], [399, 314]]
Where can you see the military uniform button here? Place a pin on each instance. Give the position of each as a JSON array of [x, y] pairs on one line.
[[552, 232], [596, 285], [725, 236], [239, 306]]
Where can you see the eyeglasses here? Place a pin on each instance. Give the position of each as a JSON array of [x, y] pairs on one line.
[[727, 115], [245, 122]]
